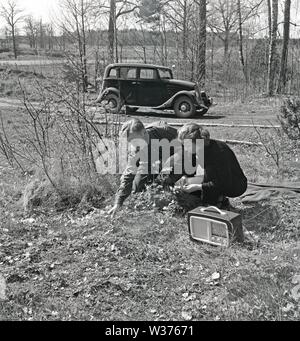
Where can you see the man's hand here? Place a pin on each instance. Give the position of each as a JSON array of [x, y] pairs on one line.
[[181, 182], [112, 212], [191, 188]]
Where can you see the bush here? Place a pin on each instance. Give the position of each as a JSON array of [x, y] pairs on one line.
[[282, 144], [55, 54], [57, 140], [290, 118]]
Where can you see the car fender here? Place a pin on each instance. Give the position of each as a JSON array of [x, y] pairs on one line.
[[170, 102], [107, 91]]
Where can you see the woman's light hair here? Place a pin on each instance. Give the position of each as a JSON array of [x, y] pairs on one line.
[[132, 126], [191, 131]]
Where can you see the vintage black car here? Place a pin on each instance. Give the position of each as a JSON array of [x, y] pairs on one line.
[[145, 85]]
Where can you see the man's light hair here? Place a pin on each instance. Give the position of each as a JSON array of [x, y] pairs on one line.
[[205, 134], [133, 126], [190, 131]]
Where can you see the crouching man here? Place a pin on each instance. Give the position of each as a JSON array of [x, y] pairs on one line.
[[216, 173], [144, 163]]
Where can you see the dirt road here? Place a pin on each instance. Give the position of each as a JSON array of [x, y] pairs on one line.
[[261, 112], [30, 62]]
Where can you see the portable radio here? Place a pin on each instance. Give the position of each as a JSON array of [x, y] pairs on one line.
[[214, 226]]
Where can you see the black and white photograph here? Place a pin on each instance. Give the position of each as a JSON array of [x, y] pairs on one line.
[[149, 163]]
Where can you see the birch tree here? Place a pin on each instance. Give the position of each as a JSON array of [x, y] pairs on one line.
[[285, 46], [201, 48], [272, 50], [241, 46]]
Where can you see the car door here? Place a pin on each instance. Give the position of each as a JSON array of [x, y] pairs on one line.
[[149, 88], [165, 76], [128, 84]]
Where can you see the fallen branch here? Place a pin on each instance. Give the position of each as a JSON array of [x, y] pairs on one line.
[[233, 142], [175, 124], [178, 124], [246, 143]]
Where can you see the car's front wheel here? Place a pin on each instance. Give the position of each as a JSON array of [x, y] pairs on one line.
[[184, 107], [114, 103]]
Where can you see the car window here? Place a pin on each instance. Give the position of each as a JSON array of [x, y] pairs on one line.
[[113, 73], [164, 74], [128, 73], [148, 74]]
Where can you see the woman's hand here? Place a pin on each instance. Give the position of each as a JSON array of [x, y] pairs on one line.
[[191, 188]]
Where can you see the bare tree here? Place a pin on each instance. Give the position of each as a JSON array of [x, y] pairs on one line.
[[117, 9], [162, 16], [269, 6], [13, 15], [111, 30], [178, 13], [224, 19], [272, 51], [74, 24], [285, 46], [50, 36], [201, 48], [241, 46], [31, 29], [41, 35]]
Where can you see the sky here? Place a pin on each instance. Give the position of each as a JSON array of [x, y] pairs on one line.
[[48, 10], [38, 8]]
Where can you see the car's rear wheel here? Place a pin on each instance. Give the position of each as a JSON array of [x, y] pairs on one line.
[[114, 103], [202, 112], [184, 107]]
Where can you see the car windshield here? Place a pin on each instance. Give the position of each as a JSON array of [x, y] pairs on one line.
[[113, 73], [165, 74]]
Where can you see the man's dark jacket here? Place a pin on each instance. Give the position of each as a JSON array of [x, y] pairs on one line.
[[223, 175]]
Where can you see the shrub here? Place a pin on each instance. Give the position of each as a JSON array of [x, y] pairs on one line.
[[290, 118], [57, 140]]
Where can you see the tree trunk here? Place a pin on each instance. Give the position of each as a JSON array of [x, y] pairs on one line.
[[226, 45], [241, 47], [285, 46], [13, 35], [116, 41], [185, 30], [269, 18], [201, 58], [84, 57], [111, 31], [165, 43], [145, 55], [42, 42], [272, 52], [212, 56]]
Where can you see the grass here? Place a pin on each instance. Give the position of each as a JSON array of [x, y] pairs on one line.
[[78, 264], [140, 267]]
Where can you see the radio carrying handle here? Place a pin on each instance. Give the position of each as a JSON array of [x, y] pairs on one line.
[[213, 208]]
